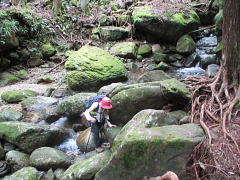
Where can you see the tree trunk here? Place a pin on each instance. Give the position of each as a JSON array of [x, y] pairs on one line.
[[231, 40]]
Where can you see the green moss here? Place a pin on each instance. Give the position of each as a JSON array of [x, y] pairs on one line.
[[16, 96], [144, 49], [219, 47], [26, 173], [143, 13], [186, 45], [47, 50], [8, 79], [175, 86], [22, 74], [182, 18]]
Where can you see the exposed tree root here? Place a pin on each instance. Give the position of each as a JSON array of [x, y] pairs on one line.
[[215, 106]]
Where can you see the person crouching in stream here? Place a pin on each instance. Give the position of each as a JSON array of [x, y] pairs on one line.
[[97, 115]]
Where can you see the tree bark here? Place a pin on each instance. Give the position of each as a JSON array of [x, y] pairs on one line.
[[231, 40]]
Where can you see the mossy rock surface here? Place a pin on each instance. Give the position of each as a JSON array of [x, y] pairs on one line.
[[157, 75], [91, 68], [186, 45], [112, 33], [125, 49], [45, 158], [7, 78], [168, 25], [48, 50], [17, 159], [144, 49], [17, 96], [10, 115], [87, 169], [74, 105], [149, 150], [29, 136], [128, 100], [26, 173]]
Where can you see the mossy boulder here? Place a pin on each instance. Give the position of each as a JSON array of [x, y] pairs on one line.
[[17, 159], [125, 49], [123, 20], [48, 50], [10, 115], [87, 169], [157, 75], [91, 67], [128, 100], [105, 20], [144, 49], [150, 150], [26, 173], [111, 33], [29, 136], [22, 74], [186, 45], [74, 105], [8, 78], [168, 25], [45, 158], [17, 96], [35, 58]]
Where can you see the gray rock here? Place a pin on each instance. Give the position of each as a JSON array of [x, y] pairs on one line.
[[112, 33], [29, 136], [212, 70], [59, 172], [88, 168], [74, 105], [10, 115], [186, 45], [130, 99], [125, 49], [109, 88], [45, 158], [147, 150], [26, 173], [111, 133], [2, 151], [17, 160], [44, 107], [156, 75], [207, 59]]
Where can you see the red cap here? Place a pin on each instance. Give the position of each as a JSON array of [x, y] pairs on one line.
[[105, 103]]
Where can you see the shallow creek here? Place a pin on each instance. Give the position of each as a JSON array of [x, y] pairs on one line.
[[205, 50]]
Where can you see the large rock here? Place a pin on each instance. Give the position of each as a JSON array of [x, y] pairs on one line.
[[88, 168], [157, 75], [7, 78], [186, 45], [45, 158], [44, 107], [74, 105], [130, 99], [125, 49], [144, 149], [27, 173], [167, 25], [91, 67], [112, 33], [17, 96], [10, 115], [28, 136], [17, 160]]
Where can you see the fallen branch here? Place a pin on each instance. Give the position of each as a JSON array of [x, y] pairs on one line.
[[202, 29], [56, 66]]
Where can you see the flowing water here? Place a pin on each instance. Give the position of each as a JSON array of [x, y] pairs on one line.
[[205, 51]]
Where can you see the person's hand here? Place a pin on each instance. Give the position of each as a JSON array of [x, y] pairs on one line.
[[93, 120], [112, 125]]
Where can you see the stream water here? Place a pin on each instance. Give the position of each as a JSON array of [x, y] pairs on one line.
[[205, 50], [206, 55]]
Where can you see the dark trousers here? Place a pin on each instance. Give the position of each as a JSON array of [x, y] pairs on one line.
[[95, 129]]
